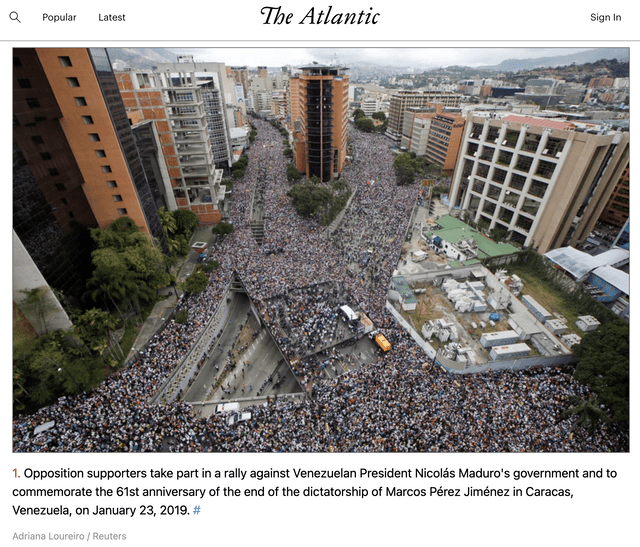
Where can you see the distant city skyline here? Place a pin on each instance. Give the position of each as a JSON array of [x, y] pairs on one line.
[[422, 58]]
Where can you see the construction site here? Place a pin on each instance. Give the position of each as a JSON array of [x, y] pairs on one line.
[[465, 317]]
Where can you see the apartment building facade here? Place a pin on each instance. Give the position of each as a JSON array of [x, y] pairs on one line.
[[101, 167], [319, 109], [400, 101], [434, 134], [543, 182], [175, 100]]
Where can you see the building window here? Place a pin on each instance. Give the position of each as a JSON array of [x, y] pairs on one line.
[[530, 206], [511, 199], [80, 101], [538, 188], [524, 163], [37, 139], [517, 181], [494, 192], [499, 175], [531, 142], [493, 134], [88, 120], [487, 153], [472, 149], [478, 186], [101, 153], [122, 211], [106, 169], [33, 103], [476, 130], [554, 147], [545, 169], [24, 83], [117, 197], [112, 184], [511, 138], [73, 82], [94, 137], [64, 201], [53, 172], [71, 215], [44, 156], [506, 215], [60, 187], [504, 158], [482, 170], [489, 207], [524, 223], [64, 60], [17, 63]]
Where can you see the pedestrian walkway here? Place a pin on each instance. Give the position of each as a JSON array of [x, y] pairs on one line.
[[164, 308]]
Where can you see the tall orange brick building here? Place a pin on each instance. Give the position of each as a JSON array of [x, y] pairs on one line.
[[319, 109], [101, 177]]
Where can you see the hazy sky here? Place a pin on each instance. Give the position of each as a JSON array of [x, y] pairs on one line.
[[414, 57]]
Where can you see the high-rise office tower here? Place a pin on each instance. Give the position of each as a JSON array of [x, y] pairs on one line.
[[319, 108], [76, 166], [542, 182], [90, 127]]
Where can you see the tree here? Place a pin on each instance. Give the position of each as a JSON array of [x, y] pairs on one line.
[[603, 365], [314, 200], [58, 364], [310, 199], [94, 328], [168, 222], [222, 228], [128, 268], [36, 304], [365, 124], [358, 113], [589, 413], [293, 173], [379, 116], [186, 222], [196, 282], [405, 169]]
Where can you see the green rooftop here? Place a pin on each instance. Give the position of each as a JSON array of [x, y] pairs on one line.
[[453, 230]]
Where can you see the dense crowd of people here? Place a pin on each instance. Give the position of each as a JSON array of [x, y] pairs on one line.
[[399, 403]]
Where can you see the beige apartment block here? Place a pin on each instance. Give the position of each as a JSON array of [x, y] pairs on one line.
[[544, 182]]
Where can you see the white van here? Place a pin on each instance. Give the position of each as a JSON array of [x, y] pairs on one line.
[[419, 256], [227, 407]]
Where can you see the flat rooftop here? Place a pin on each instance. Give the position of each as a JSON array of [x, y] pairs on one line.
[[453, 230]]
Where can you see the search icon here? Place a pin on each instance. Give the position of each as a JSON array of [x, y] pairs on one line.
[[14, 16]]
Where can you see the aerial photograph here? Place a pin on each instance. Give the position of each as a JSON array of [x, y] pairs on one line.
[[321, 250]]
